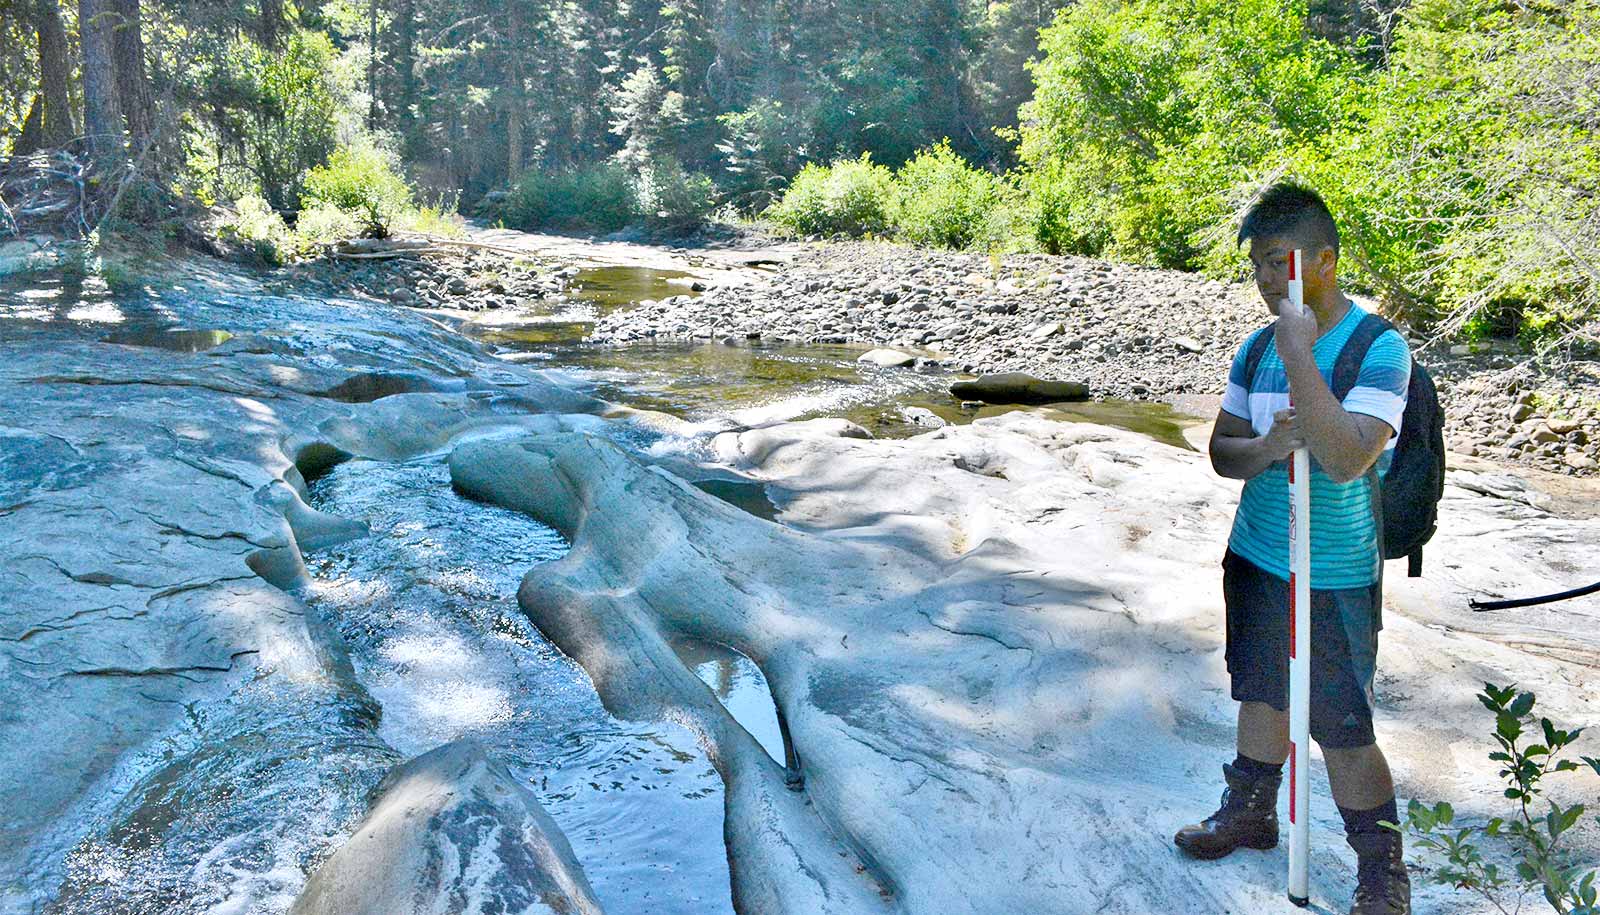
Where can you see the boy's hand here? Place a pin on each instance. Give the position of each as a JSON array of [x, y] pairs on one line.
[[1296, 332], [1284, 436]]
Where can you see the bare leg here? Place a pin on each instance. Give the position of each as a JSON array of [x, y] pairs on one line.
[[1359, 776], [1264, 733]]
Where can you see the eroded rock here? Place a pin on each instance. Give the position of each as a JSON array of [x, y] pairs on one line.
[[451, 832]]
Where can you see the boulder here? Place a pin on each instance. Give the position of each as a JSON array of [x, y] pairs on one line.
[[1018, 387], [888, 358], [451, 831]]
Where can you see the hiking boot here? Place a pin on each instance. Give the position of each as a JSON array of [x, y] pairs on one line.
[[1248, 818], [1383, 887]]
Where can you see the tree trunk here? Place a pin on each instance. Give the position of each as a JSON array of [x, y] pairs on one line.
[[28, 141], [270, 27], [56, 127], [102, 113], [133, 86], [372, 64], [515, 93], [514, 132], [405, 63]]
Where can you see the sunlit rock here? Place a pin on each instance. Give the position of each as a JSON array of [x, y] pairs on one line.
[[451, 831]]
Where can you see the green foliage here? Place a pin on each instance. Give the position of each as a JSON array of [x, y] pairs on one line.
[[596, 198], [1537, 841], [1465, 173], [1148, 114], [277, 108], [941, 201], [646, 114], [18, 62], [437, 218], [255, 224], [764, 143], [672, 198], [322, 224], [1474, 173], [363, 180], [850, 197]]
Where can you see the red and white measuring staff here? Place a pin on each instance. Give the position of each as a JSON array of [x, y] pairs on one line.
[[1299, 645]]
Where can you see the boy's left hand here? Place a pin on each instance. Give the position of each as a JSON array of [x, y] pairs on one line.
[[1296, 333]]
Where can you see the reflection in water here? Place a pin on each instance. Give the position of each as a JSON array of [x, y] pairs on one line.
[[427, 604], [750, 495], [181, 341], [740, 685], [613, 287]]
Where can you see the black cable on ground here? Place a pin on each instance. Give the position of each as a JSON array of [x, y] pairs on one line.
[[1482, 605]]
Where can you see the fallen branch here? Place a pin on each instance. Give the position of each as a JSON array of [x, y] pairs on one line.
[[381, 255]]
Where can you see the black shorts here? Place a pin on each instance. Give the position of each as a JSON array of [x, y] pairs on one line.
[[1344, 650]]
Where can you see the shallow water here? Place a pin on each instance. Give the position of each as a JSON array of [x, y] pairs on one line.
[[179, 341], [740, 686], [428, 606], [608, 288]]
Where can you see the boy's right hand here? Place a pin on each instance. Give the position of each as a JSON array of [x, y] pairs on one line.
[[1284, 436]]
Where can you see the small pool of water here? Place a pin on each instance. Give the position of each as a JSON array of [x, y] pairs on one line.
[[741, 688], [180, 341], [608, 288], [750, 495]]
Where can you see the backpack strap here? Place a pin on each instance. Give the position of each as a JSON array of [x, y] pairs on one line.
[[1347, 367], [1253, 355]]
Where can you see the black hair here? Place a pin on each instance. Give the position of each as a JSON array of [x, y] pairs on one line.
[[1290, 209]]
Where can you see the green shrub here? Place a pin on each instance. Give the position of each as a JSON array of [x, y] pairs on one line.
[[597, 198], [279, 106], [850, 197], [761, 147], [437, 218], [324, 224], [1538, 844], [363, 180], [1472, 179], [675, 199], [1464, 172], [1149, 115], [941, 201], [256, 225]]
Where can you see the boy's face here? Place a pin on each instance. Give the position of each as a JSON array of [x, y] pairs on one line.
[[1269, 257]]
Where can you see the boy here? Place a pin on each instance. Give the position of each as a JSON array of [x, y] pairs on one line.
[[1256, 432]]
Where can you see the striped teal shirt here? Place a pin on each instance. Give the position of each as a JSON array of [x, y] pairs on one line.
[[1344, 541]]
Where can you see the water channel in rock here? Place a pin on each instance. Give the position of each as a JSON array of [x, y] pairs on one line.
[[427, 605]]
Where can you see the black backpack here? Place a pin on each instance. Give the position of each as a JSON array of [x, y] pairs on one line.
[[1408, 511]]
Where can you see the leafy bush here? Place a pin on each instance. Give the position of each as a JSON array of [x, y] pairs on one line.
[[850, 197], [1537, 841], [597, 198], [437, 218], [1148, 115], [278, 106], [672, 198], [324, 224], [1464, 171], [762, 145], [1472, 179], [940, 200], [255, 224], [363, 180]]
